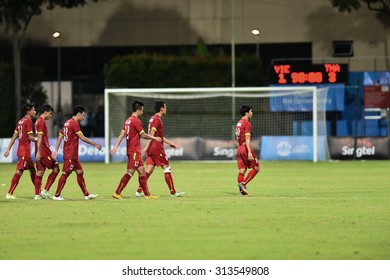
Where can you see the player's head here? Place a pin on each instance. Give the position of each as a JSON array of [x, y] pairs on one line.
[[46, 111], [245, 109], [29, 109], [137, 105], [79, 112], [158, 105], [78, 109], [47, 108]]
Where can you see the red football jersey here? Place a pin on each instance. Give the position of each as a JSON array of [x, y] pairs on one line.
[[133, 128], [41, 128], [243, 128], [71, 140], [156, 124], [24, 127]]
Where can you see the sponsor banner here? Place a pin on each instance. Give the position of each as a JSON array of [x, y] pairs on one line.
[[186, 149], [291, 148], [87, 153], [366, 147], [376, 96], [218, 149], [304, 102], [4, 142]]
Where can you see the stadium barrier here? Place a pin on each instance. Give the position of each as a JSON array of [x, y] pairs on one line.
[[343, 148], [266, 147]]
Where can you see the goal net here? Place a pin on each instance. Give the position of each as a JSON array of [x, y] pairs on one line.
[[288, 123]]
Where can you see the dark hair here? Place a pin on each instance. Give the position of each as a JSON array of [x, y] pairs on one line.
[[47, 108], [78, 109], [137, 105], [245, 109], [27, 107], [158, 105]]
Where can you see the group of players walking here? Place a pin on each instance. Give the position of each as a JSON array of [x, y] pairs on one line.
[[132, 130]]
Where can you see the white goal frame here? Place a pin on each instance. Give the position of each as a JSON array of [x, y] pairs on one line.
[[227, 91]]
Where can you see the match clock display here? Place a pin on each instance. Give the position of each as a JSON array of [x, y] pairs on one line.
[[327, 73]]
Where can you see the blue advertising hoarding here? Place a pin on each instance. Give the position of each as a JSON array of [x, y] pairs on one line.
[[304, 102], [291, 148]]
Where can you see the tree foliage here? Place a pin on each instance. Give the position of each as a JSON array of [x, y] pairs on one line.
[[32, 92], [15, 16], [382, 6], [145, 70]]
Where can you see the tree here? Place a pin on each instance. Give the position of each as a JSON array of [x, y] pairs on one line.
[[31, 91], [15, 16], [382, 6]]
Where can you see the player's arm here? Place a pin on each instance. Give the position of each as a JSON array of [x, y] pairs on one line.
[[172, 145], [118, 142], [248, 145], [149, 142], [11, 143], [149, 137], [88, 141], [39, 146], [57, 146], [31, 137]]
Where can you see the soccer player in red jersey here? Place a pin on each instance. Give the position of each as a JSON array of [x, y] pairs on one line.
[[71, 133], [246, 157], [133, 130], [43, 154], [156, 152], [24, 131]]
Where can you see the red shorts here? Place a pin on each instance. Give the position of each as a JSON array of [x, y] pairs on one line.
[[242, 158], [47, 162], [71, 165], [134, 161], [158, 160], [25, 163]]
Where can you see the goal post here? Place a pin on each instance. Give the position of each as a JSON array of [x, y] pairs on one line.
[[287, 122]]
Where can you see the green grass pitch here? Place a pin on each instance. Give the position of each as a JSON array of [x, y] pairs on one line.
[[296, 210]]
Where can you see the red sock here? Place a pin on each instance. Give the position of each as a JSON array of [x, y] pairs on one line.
[[123, 183], [38, 184], [250, 176], [14, 183], [139, 186], [50, 180], [169, 181], [81, 182], [144, 185], [240, 177], [61, 183], [32, 175]]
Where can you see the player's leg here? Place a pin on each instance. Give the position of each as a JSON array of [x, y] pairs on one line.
[[21, 165], [81, 181], [54, 166], [132, 165], [14, 183], [240, 179], [61, 185], [143, 181], [67, 169], [169, 180], [251, 175], [255, 168], [38, 181], [242, 156], [29, 165], [123, 183], [149, 170]]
